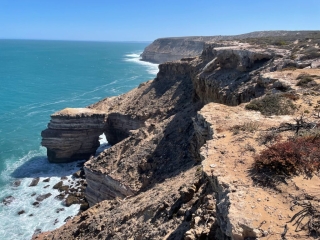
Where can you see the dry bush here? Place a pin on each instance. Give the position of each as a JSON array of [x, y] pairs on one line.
[[275, 104], [290, 95], [248, 147], [317, 109], [246, 127], [299, 155], [312, 215], [306, 80], [269, 137], [290, 68], [310, 53]]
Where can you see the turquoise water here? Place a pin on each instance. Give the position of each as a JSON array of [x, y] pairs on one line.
[[37, 79]]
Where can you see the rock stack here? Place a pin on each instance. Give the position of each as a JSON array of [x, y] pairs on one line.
[[73, 134]]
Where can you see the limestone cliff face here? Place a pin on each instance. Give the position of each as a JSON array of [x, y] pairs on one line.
[[102, 186], [149, 154], [73, 134], [230, 74], [175, 48], [171, 49], [118, 126], [141, 123], [144, 185], [165, 109]]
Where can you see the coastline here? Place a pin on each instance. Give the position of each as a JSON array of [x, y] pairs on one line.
[[22, 160], [171, 151]]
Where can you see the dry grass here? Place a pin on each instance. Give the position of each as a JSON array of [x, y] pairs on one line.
[[246, 127]]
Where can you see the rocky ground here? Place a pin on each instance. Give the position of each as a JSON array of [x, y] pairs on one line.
[[182, 164]]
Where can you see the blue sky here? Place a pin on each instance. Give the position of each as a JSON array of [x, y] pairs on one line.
[[146, 20]]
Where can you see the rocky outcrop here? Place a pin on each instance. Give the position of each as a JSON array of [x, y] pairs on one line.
[[141, 123], [171, 49], [167, 108], [176, 170], [175, 48], [102, 186], [118, 126], [73, 134], [229, 74]]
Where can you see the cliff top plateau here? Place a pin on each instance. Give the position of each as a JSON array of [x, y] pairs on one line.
[[175, 48], [223, 145]]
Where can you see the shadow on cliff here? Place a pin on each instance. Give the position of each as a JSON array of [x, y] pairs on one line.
[[173, 153], [39, 166], [176, 151]]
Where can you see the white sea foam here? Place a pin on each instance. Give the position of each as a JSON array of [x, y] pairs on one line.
[[103, 144], [152, 68], [45, 216]]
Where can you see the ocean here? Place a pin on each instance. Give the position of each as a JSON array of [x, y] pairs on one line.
[[38, 78]]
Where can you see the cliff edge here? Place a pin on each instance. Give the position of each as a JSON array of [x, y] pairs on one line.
[[174, 48], [182, 164]]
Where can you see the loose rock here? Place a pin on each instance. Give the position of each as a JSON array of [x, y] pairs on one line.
[[42, 197], [7, 200], [34, 182], [21, 212], [16, 183]]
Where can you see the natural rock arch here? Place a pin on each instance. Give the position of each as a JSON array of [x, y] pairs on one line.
[[73, 134]]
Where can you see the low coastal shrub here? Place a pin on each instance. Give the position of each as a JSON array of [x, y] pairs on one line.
[[268, 138], [300, 155], [306, 80], [310, 53], [290, 68], [246, 127], [291, 96], [275, 104]]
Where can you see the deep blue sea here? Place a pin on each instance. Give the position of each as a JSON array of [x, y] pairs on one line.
[[38, 78]]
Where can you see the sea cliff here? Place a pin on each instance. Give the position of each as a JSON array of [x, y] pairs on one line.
[[177, 168], [174, 48]]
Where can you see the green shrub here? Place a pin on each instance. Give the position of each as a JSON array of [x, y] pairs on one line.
[[275, 104]]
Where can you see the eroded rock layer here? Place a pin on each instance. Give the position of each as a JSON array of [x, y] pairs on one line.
[[73, 134], [175, 48], [176, 169]]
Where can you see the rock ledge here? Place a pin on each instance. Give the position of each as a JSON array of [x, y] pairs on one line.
[[73, 134]]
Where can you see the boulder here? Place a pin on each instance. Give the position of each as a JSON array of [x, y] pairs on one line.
[[46, 180], [43, 196], [315, 64], [71, 199], [7, 200], [16, 183], [34, 182], [21, 212]]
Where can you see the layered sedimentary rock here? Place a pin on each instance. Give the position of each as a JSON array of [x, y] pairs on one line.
[[155, 120], [73, 134], [168, 175], [175, 48], [164, 110], [171, 49], [103, 186], [229, 75]]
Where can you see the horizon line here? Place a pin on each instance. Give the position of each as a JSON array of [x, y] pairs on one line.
[[76, 40]]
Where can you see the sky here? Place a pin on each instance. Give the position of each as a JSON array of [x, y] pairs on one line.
[[147, 20]]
